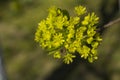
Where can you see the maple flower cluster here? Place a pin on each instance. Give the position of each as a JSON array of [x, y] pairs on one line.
[[64, 35]]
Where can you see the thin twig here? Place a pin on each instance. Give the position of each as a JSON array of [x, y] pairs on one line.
[[111, 23], [108, 24]]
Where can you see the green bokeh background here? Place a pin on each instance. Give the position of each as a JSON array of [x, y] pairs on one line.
[[23, 57]]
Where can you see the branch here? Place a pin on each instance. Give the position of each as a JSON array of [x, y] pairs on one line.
[[108, 25], [111, 23]]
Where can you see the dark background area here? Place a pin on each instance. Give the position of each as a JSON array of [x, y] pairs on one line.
[[23, 59]]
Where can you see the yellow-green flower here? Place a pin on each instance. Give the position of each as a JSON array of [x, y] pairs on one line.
[[57, 55], [68, 58], [85, 51], [80, 10], [62, 35]]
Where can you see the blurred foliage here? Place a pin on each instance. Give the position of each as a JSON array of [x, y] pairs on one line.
[[25, 60]]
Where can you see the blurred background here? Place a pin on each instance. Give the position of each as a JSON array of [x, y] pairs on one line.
[[22, 57]]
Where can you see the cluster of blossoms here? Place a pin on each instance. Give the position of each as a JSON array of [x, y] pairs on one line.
[[63, 35]]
